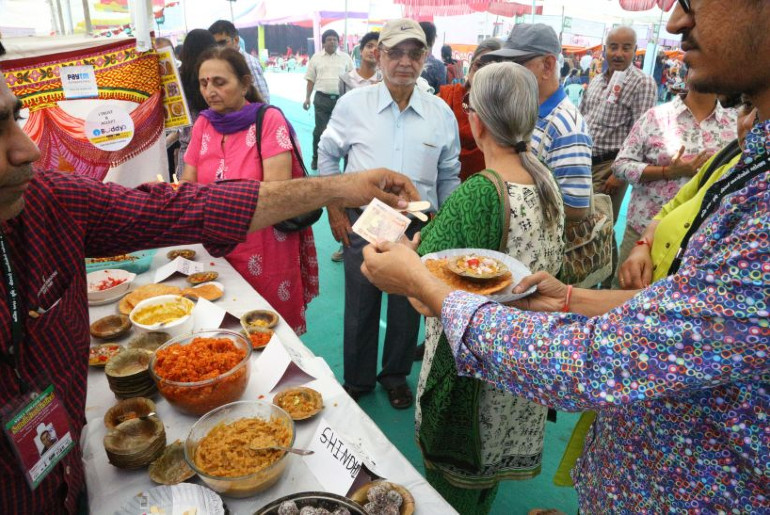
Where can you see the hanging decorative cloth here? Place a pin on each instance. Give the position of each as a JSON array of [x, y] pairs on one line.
[[121, 72]]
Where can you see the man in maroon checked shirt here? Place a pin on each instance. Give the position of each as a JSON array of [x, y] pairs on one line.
[[50, 221]]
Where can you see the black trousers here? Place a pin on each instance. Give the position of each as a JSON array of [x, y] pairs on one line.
[[362, 324], [323, 105]]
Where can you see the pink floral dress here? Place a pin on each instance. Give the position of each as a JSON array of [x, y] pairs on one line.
[[654, 140], [282, 267]]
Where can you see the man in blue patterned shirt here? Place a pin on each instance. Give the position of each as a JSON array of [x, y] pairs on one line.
[[561, 137], [678, 372]]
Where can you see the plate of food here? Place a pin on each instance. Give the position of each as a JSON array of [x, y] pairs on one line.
[[99, 355], [299, 402], [495, 284], [211, 290], [145, 292], [136, 262], [202, 277], [384, 497], [185, 253]]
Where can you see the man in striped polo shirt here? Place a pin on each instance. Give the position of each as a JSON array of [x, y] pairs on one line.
[[561, 137]]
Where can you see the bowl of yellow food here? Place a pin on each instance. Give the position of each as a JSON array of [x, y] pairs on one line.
[[171, 314], [226, 447]]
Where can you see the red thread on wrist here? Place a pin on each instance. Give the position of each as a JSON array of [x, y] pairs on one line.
[[643, 241], [565, 309]]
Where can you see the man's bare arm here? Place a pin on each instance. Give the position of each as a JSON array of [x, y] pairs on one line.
[[280, 200]]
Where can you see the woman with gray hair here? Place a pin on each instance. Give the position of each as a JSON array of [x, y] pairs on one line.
[[472, 435], [456, 95]]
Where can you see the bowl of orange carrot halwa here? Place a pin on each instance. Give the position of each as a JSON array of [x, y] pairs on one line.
[[201, 371]]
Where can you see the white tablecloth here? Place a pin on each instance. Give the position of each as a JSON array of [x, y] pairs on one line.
[[109, 487]]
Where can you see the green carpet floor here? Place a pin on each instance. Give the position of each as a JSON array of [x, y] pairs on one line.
[[324, 337]]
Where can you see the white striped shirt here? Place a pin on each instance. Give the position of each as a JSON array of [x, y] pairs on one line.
[[561, 141]]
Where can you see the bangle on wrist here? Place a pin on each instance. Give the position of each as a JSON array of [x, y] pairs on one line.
[[565, 308], [663, 173]]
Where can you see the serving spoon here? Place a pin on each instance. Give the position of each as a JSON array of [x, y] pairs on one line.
[[260, 445]]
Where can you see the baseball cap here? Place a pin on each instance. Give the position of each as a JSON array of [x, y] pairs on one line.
[[529, 40], [397, 31]]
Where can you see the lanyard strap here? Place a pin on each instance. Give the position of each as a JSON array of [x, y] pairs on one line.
[[714, 196], [14, 304]]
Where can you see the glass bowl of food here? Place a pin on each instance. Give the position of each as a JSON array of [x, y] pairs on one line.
[[200, 371], [228, 447]]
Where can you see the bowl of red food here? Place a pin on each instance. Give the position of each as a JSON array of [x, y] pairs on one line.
[[108, 284]]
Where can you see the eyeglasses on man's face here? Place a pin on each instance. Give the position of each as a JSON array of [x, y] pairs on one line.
[[685, 4], [415, 54]]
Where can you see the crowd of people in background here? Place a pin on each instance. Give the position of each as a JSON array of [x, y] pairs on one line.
[[665, 355]]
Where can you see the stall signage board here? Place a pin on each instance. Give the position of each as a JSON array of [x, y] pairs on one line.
[[78, 82], [109, 127], [334, 463], [177, 112]]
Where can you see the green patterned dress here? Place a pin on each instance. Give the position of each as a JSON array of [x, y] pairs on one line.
[[472, 435]]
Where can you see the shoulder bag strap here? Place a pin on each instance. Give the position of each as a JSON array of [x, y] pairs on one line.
[[505, 205], [258, 129]]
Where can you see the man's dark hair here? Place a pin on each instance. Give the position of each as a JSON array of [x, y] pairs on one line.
[[328, 33], [369, 36], [430, 32], [224, 27], [2, 50]]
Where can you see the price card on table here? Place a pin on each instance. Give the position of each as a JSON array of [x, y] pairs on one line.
[[335, 464], [181, 265], [276, 367]]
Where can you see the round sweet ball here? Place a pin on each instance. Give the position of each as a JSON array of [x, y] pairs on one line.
[[288, 508], [393, 497], [377, 493]]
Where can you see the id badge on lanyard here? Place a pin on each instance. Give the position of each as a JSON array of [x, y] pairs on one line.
[[34, 421], [38, 429]]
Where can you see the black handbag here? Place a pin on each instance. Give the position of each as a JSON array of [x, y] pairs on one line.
[[304, 220]]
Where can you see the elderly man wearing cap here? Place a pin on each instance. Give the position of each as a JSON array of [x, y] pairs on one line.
[[398, 126], [561, 135]]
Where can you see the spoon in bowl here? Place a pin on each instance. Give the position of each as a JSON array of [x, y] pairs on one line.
[[259, 444]]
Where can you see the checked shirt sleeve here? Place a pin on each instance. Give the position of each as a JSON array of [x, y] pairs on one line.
[[118, 219]]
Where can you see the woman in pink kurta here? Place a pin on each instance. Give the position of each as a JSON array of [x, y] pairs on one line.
[[282, 267]]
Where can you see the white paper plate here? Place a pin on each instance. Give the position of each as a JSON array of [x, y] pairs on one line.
[[517, 269], [174, 499]]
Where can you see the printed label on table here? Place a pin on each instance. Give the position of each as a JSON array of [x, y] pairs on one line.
[[275, 367], [40, 435], [179, 264], [380, 222], [177, 112], [335, 464], [109, 127], [78, 82]]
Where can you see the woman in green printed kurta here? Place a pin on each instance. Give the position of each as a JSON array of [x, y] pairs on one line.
[[471, 435]]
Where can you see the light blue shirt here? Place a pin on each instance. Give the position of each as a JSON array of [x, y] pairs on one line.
[[422, 141]]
